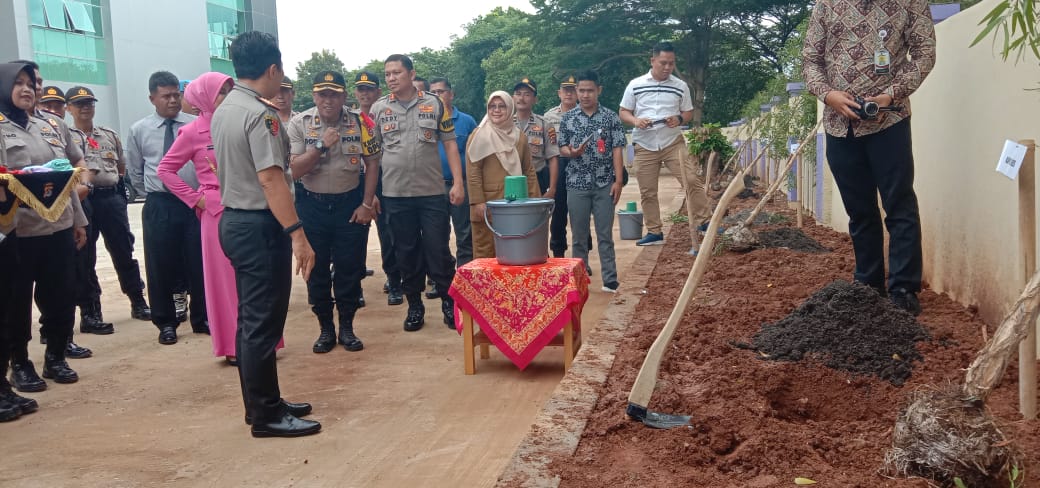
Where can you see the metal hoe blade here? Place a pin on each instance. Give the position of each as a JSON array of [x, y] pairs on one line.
[[655, 419]]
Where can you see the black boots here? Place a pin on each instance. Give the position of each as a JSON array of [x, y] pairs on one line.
[[13, 405], [327, 340], [56, 368], [448, 309], [76, 351], [346, 333], [91, 321], [139, 308], [416, 313], [24, 377]]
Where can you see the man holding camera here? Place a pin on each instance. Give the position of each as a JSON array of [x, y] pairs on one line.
[[856, 54]]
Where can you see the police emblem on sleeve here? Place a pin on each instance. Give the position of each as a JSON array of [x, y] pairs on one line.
[[428, 134], [272, 124]]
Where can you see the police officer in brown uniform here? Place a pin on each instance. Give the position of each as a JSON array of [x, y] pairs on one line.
[[410, 122], [46, 249], [541, 136], [568, 93], [259, 230], [106, 210], [329, 144], [284, 101], [53, 101]]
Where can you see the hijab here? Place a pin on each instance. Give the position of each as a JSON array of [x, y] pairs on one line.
[[8, 75], [202, 94], [498, 139]]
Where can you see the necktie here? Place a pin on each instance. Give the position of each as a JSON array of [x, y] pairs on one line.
[[170, 136]]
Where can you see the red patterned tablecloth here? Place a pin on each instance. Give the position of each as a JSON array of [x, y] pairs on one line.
[[520, 308]]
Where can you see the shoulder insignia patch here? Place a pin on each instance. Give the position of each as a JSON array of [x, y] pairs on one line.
[[267, 102], [54, 123], [272, 123], [2, 118]]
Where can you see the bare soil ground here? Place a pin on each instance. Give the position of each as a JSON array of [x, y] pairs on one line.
[[760, 423]]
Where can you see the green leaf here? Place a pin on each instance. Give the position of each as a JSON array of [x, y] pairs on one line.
[[959, 483]]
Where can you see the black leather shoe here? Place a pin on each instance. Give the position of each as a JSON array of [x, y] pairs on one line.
[[91, 321], [394, 297], [25, 405], [294, 409], [9, 411], [202, 328], [58, 369], [75, 351], [386, 287], [347, 338], [370, 272], [24, 377], [448, 309], [286, 426], [433, 294], [139, 310], [906, 300], [416, 316], [361, 301], [167, 336], [326, 341]]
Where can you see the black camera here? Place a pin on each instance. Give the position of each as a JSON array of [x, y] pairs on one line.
[[870, 110]]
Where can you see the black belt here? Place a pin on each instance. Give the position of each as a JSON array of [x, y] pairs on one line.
[[324, 197], [105, 189], [251, 211]]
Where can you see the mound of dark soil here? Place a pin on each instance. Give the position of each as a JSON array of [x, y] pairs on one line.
[[848, 327], [791, 238]]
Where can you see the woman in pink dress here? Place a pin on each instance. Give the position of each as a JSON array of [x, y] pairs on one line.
[[194, 144]]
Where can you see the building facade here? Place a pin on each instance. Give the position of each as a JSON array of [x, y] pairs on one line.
[[112, 46]]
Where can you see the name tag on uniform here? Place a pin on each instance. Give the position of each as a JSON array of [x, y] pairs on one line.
[[882, 61]]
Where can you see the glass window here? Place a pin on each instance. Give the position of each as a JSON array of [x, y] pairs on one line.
[[37, 16], [82, 21], [56, 14]]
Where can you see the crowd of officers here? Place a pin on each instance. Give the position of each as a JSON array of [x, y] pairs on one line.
[[398, 160]]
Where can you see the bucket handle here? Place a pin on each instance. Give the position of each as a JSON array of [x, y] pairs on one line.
[[525, 235]]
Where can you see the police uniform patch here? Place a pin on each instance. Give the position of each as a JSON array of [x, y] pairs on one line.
[[428, 134], [54, 123], [552, 135], [388, 127], [54, 142], [354, 149], [2, 118], [389, 112], [354, 160], [312, 133], [272, 124], [426, 109]]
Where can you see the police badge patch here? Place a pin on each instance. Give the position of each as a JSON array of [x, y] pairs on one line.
[[272, 124]]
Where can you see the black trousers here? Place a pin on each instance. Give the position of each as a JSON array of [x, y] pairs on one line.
[[863, 167], [261, 255], [9, 251], [558, 225], [49, 263], [420, 227], [386, 240], [172, 237], [87, 286], [336, 242], [460, 223], [108, 217]]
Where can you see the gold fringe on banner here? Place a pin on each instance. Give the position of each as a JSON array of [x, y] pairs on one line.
[[50, 214]]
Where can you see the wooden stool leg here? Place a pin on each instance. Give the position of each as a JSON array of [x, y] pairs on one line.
[[484, 351], [467, 336], [568, 345]]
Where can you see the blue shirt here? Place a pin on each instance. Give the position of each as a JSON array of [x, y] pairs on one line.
[[464, 126], [593, 169]]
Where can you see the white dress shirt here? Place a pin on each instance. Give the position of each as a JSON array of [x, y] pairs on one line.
[[652, 99]]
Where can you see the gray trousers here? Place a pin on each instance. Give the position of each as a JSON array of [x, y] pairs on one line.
[[597, 205]]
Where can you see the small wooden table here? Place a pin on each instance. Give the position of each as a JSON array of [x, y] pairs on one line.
[[520, 309]]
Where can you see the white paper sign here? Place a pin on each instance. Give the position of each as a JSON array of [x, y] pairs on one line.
[[794, 148], [1011, 159]]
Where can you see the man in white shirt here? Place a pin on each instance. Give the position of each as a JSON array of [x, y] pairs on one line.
[[656, 105]]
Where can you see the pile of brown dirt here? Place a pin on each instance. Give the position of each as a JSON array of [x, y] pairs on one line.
[[848, 327], [760, 424], [790, 238]]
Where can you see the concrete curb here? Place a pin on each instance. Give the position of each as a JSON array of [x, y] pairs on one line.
[[559, 426]]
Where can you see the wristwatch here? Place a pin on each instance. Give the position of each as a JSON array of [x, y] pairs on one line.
[[320, 145]]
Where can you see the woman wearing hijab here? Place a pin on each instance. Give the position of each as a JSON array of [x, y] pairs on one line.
[[46, 250], [496, 149], [194, 143]]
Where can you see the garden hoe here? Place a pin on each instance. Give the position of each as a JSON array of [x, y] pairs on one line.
[[646, 381]]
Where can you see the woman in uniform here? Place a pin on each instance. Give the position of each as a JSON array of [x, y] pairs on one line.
[[46, 250], [496, 149]]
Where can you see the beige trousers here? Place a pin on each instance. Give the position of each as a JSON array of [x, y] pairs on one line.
[[648, 171]]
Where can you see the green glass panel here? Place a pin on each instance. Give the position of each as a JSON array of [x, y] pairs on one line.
[[56, 14], [76, 46], [81, 19], [231, 4], [36, 13], [39, 39], [222, 66], [55, 42], [100, 49], [95, 17]]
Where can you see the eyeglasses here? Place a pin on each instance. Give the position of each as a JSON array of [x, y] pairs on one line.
[[497, 106]]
